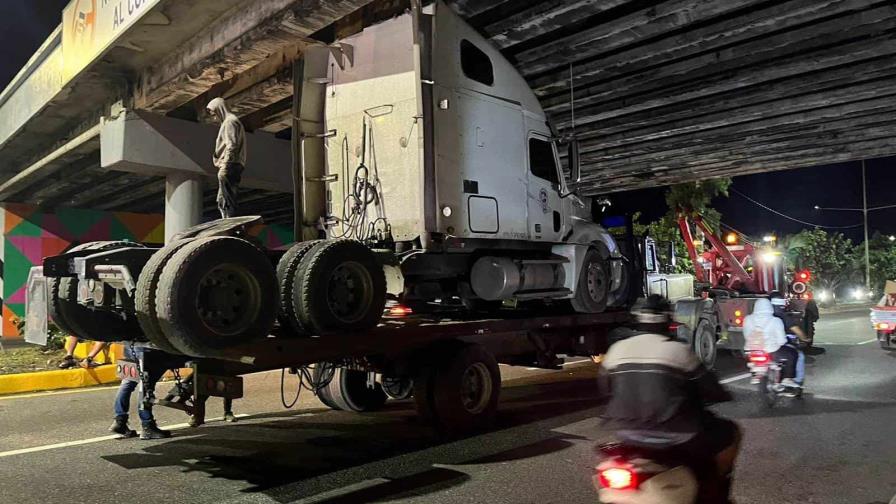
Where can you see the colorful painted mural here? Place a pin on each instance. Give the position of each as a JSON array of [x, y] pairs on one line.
[[30, 234]]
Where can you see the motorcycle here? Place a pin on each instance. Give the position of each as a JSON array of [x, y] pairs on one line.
[[766, 374], [629, 475]]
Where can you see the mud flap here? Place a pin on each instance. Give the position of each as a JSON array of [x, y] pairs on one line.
[[36, 307]]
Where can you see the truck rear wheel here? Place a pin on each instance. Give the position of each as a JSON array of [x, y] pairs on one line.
[[592, 289], [705, 343], [286, 275], [145, 296], [460, 395], [349, 391], [339, 285], [214, 293], [85, 322]]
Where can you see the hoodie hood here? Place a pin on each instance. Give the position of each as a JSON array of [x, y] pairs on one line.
[[763, 307], [218, 107]]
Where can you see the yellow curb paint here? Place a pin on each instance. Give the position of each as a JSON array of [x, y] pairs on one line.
[[55, 380]]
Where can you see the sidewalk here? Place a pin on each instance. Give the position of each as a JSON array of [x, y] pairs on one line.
[[55, 379]]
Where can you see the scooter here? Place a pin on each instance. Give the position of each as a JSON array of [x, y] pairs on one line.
[[638, 475], [766, 375]]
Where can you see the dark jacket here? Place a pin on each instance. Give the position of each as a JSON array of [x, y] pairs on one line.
[[658, 385]]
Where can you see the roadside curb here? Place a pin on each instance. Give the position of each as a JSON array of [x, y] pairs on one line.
[[55, 380]]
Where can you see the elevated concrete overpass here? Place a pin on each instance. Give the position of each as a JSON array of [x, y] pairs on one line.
[[663, 91]]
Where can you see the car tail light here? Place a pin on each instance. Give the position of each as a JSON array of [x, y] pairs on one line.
[[759, 357], [673, 327], [400, 311], [618, 478]]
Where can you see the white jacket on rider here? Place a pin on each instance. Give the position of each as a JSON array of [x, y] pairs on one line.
[[762, 329]]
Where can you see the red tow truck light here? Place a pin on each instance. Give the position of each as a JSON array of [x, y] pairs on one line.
[[804, 276]]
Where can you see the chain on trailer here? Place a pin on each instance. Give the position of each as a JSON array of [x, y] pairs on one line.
[[148, 395]]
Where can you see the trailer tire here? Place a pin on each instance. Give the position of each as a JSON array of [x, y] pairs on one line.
[[348, 391], [87, 323], [286, 276], [145, 296], [593, 286], [339, 285], [704, 343], [464, 391], [203, 272]]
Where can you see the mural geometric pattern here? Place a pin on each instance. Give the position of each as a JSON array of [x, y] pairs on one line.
[[30, 234]]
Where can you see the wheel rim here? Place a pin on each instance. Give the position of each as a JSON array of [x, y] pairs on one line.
[[705, 347], [349, 291], [476, 388], [228, 300], [596, 279]]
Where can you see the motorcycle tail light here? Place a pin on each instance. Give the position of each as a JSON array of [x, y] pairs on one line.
[[618, 478], [759, 357], [883, 326]]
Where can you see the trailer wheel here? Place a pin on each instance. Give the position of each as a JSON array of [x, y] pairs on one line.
[[348, 391], [339, 285], [145, 296], [463, 391], [214, 293], [704, 342], [286, 275], [87, 323], [592, 289]]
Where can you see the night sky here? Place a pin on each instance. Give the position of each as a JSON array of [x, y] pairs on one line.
[[25, 24]]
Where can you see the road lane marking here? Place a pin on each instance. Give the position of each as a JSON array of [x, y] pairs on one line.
[[22, 451], [866, 342], [735, 378]]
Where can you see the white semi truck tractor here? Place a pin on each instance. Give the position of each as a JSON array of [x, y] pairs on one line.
[[425, 171]]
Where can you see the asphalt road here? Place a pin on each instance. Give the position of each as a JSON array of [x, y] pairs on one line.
[[833, 446]]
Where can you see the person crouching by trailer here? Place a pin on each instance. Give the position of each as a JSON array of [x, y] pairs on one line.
[[152, 372]]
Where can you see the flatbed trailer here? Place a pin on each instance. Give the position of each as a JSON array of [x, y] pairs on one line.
[[449, 365]]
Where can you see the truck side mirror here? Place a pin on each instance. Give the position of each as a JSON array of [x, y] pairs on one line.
[[671, 246]]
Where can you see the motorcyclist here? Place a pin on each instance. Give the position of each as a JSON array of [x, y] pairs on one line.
[[794, 332], [764, 331], [660, 391]]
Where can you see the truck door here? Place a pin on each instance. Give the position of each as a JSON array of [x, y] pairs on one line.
[[546, 220]]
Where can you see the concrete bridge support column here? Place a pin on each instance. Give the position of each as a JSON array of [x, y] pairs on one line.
[[183, 203]]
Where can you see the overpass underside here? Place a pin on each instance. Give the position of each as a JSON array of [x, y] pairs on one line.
[[658, 91]]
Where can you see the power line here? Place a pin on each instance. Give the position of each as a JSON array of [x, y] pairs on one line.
[[794, 219]]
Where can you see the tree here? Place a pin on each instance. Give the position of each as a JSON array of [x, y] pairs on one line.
[[831, 257], [882, 256], [693, 198]]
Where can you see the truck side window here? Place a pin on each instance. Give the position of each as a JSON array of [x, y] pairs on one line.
[[541, 161], [476, 64]]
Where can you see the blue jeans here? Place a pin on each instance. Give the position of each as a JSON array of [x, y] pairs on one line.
[[123, 399], [800, 359]]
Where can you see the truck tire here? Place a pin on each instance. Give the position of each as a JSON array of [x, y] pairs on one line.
[[206, 300], [286, 275], [464, 391], [348, 391], [704, 343], [84, 322], [145, 296], [339, 286], [53, 305], [592, 288]]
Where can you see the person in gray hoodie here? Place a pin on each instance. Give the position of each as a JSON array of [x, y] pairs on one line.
[[229, 157]]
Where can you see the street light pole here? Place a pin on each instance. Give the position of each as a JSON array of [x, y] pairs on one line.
[[865, 215]]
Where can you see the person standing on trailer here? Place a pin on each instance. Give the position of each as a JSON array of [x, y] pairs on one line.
[[229, 157]]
